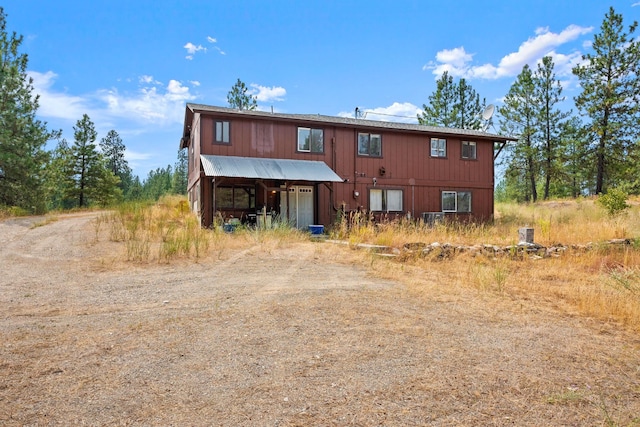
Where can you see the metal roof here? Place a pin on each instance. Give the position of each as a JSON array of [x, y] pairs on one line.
[[349, 122], [258, 168]]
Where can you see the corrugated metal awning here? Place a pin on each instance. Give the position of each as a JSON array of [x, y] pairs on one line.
[[258, 168]]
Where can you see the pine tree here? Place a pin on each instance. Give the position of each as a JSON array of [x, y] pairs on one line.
[[158, 183], [548, 95], [113, 150], [93, 181], [610, 98], [520, 117], [468, 107], [22, 137], [180, 177], [453, 105], [135, 190], [576, 170], [238, 97], [59, 178], [106, 190], [441, 110]]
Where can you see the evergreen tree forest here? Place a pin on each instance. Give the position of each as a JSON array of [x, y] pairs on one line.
[[561, 152], [79, 174]]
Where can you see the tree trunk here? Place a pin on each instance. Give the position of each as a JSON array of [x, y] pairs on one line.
[[547, 181], [532, 180], [600, 154]]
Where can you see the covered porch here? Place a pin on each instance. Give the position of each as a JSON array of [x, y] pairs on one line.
[[257, 191]]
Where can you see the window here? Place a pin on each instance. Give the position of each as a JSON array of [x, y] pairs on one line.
[[385, 200], [456, 201], [468, 150], [369, 144], [222, 132], [310, 140], [438, 147], [235, 198]]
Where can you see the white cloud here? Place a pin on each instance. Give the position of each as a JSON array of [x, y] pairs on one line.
[[267, 94], [458, 62], [132, 156], [192, 49], [404, 112], [635, 4], [56, 104], [148, 80], [195, 83], [149, 106], [537, 47], [457, 57]]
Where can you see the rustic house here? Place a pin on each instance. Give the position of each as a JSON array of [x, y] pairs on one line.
[[253, 166]]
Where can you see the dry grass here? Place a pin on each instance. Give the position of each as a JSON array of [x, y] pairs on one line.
[[603, 283], [268, 328], [168, 231]]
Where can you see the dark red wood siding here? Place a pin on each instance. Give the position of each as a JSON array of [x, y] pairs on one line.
[[406, 161]]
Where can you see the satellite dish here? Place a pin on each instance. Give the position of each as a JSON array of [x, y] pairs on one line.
[[488, 112]]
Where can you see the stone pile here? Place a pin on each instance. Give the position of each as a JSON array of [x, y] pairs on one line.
[[521, 250]]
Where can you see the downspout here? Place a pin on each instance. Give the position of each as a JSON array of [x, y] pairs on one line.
[[355, 164], [412, 182], [332, 207]]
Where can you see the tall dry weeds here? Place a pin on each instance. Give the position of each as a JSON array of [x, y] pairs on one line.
[[603, 282]]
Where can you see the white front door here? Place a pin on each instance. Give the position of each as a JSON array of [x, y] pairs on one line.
[[300, 209]]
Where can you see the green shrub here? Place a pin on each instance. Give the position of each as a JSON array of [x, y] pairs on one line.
[[614, 201]]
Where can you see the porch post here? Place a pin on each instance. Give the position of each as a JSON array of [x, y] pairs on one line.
[[213, 202], [286, 187]]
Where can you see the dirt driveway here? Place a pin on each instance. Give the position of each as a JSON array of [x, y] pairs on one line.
[[278, 334]]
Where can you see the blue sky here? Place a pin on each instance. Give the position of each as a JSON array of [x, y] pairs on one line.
[[133, 65]]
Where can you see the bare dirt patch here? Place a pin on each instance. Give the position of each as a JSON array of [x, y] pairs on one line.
[[285, 333]]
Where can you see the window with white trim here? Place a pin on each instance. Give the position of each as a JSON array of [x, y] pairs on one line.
[[310, 140], [438, 147], [222, 131], [456, 201], [369, 144], [469, 150], [384, 200]]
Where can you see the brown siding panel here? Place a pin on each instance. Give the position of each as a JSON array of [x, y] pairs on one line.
[[405, 156]]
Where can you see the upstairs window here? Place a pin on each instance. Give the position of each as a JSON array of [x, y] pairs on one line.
[[456, 201], [310, 140], [438, 147], [222, 131], [369, 144], [382, 200], [469, 150]]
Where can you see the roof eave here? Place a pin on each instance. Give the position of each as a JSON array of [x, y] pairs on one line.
[[349, 122]]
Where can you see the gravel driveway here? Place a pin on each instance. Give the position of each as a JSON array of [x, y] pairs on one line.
[[280, 334]]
